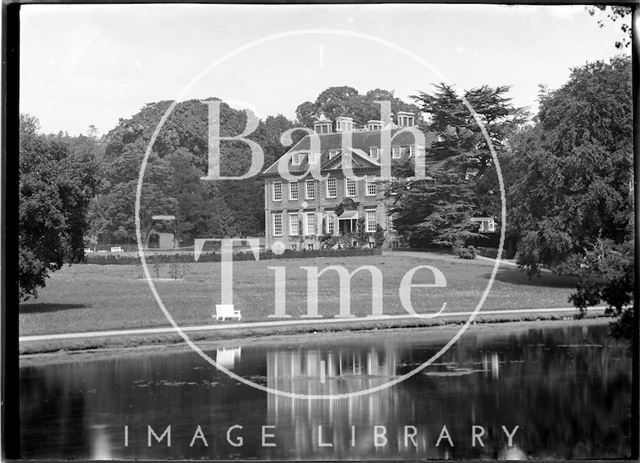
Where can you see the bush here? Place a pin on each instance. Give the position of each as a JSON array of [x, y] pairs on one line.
[[465, 252], [187, 258]]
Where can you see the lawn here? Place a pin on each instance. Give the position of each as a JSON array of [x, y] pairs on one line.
[[101, 297]]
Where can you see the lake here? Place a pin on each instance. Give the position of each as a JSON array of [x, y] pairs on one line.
[[560, 391]]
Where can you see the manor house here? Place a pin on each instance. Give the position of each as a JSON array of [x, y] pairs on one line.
[[300, 213]]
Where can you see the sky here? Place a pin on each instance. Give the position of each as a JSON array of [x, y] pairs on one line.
[[85, 65]]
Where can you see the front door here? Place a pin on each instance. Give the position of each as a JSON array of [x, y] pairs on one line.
[[346, 226]]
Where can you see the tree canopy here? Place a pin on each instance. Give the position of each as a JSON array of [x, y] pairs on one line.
[[346, 101], [572, 202], [461, 174], [575, 167], [172, 182], [56, 186]]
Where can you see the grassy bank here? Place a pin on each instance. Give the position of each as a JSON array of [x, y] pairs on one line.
[[93, 298], [52, 351]]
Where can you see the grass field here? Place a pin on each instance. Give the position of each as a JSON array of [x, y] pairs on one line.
[[98, 297]]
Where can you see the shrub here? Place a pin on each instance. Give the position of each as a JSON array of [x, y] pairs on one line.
[[175, 259], [465, 252]]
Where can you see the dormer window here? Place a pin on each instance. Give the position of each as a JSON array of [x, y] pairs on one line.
[[333, 153], [322, 125], [374, 152], [344, 124], [395, 152], [322, 128], [295, 159], [406, 119]]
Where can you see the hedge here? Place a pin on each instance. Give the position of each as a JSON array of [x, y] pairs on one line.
[[187, 258]]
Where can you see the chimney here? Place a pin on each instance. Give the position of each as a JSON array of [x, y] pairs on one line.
[[322, 125], [405, 119], [344, 124]]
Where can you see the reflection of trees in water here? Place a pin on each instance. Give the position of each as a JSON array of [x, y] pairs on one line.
[[569, 401], [569, 395]]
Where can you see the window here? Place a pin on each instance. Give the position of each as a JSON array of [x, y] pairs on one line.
[[293, 190], [313, 158], [310, 189], [277, 191], [374, 152], [294, 247], [412, 150], [331, 222], [350, 187], [395, 152], [372, 189], [295, 159], [294, 224], [487, 226], [322, 128], [333, 153], [371, 221], [277, 224], [310, 223], [332, 187]]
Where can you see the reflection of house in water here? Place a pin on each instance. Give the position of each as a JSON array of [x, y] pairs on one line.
[[491, 364], [227, 357], [331, 373], [100, 443]]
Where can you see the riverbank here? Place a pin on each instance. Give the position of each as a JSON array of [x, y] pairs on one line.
[[437, 329], [90, 308]]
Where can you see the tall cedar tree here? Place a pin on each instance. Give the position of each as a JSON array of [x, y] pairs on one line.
[[460, 181]]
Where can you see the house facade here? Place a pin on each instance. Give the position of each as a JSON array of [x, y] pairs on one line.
[[301, 213]]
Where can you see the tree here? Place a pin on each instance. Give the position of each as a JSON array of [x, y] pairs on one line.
[[572, 204], [438, 210], [346, 101], [55, 189], [615, 13], [173, 184]]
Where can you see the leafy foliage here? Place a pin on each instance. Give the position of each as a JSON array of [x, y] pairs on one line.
[[615, 13], [346, 101], [465, 252], [172, 183], [575, 167], [572, 204], [55, 188], [461, 181]]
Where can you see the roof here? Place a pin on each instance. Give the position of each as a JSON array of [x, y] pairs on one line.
[[361, 141]]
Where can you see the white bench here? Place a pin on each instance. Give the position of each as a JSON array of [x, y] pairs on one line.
[[226, 311]]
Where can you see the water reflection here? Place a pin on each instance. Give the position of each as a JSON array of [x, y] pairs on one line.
[[227, 357], [567, 390]]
